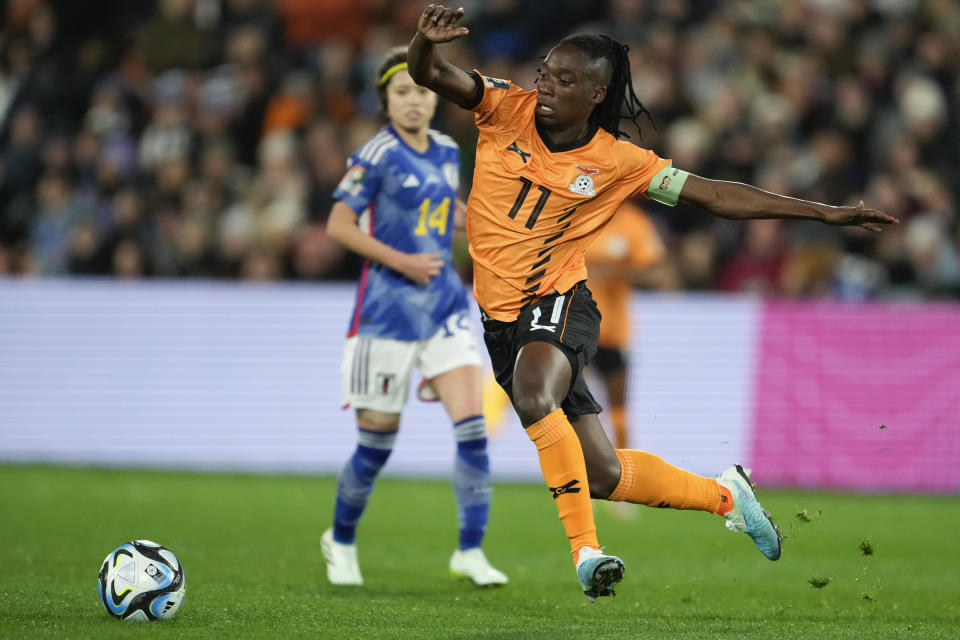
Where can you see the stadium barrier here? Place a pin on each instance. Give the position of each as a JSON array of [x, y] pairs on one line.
[[246, 377]]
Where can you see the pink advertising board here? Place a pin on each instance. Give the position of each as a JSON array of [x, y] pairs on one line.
[[859, 397]]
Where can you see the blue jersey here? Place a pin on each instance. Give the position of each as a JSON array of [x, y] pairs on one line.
[[406, 200]]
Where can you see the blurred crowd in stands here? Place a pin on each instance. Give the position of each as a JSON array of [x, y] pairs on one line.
[[204, 138]]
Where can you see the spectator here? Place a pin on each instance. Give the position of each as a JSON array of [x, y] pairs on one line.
[[176, 101], [172, 40], [59, 215]]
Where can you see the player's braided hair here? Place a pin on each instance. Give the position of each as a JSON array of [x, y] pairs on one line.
[[621, 102]]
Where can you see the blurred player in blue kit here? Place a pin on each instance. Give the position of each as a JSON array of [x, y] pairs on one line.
[[396, 207]]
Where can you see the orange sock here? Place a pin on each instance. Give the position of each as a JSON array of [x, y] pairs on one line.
[[650, 480], [562, 465], [618, 416], [726, 500]]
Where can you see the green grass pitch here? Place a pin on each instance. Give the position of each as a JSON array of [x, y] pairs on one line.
[[886, 566]]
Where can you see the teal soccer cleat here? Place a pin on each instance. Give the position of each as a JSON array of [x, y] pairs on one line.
[[598, 573], [747, 515]]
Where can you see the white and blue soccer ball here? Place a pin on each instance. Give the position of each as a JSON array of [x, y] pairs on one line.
[[141, 580]]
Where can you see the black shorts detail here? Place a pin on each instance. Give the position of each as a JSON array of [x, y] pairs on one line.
[[569, 320], [609, 360]]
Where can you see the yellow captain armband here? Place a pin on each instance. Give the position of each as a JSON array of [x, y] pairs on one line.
[[665, 187]]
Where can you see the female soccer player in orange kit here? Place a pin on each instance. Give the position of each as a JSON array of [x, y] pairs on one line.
[[550, 172]]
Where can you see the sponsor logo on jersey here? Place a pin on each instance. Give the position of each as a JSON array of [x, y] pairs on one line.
[[495, 83], [583, 183], [523, 154]]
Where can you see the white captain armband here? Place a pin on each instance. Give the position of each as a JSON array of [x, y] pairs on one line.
[[665, 187]]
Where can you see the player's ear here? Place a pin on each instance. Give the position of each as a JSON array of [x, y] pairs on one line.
[[599, 93]]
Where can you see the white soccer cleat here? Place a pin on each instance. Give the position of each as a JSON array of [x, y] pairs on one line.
[[747, 515], [473, 564], [342, 565]]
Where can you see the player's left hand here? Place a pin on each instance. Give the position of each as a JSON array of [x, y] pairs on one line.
[[858, 216]]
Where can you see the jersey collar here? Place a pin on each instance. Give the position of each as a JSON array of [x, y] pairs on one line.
[[582, 141], [422, 154]]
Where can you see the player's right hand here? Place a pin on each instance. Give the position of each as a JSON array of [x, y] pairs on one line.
[[439, 24], [421, 267]]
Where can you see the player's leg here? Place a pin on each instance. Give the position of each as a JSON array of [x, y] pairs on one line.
[[375, 376], [612, 366], [638, 476], [450, 362], [537, 359], [641, 477], [376, 435], [460, 392], [541, 382]]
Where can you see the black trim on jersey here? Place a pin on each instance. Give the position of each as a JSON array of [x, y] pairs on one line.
[[566, 215], [542, 262], [477, 80], [592, 129], [536, 276], [555, 236]]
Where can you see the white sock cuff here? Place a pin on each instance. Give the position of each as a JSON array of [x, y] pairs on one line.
[[472, 428], [377, 439]]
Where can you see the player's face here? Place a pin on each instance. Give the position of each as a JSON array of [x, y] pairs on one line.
[[409, 106], [568, 88]]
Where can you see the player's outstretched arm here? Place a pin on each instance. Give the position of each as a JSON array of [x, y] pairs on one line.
[[459, 214], [342, 227], [739, 201], [427, 67]]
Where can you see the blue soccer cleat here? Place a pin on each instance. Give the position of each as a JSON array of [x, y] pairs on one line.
[[747, 515], [598, 573]]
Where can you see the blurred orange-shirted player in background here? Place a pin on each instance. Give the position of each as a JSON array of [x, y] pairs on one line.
[[628, 253]]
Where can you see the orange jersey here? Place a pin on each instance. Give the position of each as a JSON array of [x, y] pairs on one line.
[[629, 241], [535, 206]]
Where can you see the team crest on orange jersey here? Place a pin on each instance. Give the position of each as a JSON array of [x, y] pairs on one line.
[[583, 184]]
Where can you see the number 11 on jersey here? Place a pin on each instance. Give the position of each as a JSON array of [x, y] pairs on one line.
[[436, 219]]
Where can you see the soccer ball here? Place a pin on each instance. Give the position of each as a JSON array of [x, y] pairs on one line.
[[141, 580]]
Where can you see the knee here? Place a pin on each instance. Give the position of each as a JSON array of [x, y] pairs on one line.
[[533, 407], [603, 475], [378, 421]]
